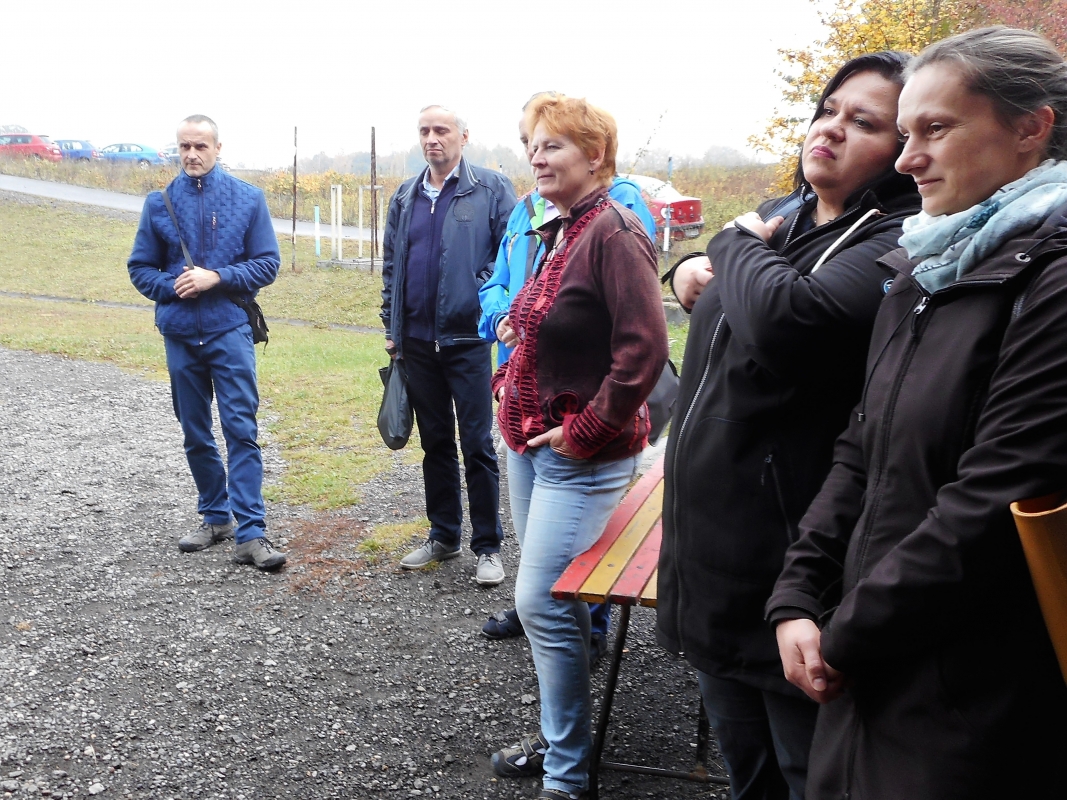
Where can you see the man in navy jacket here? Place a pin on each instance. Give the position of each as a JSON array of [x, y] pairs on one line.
[[228, 232], [440, 243]]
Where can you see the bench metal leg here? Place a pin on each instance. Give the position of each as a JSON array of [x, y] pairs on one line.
[[699, 773], [605, 705]]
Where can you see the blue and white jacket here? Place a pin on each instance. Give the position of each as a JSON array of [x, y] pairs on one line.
[[227, 228], [514, 259]]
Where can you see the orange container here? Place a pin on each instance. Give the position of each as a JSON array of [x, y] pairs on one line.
[[1042, 525]]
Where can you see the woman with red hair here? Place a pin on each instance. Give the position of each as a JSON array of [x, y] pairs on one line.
[[591, 342]]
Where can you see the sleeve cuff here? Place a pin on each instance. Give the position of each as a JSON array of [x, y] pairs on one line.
[[586, 433], [498, 378], [786, 613]]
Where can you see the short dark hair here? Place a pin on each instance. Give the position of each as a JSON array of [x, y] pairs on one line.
[[890, 64], [1019, 71], [199, 119]]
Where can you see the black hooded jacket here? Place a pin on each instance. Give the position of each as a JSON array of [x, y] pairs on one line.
[[773, 365], [909, 558]]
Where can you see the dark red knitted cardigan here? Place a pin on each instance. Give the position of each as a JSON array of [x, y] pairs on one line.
[[592, 336]]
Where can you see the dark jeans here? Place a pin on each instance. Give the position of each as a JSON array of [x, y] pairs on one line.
[[764, 737], [600, 617], [224, 368], [456, 377]]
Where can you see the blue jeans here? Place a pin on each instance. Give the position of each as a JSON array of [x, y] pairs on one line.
[[764, 737], [560, 507], [439, 381], [223, 367]]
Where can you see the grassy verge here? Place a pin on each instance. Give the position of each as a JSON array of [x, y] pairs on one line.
[[320, 387], [70, 253]]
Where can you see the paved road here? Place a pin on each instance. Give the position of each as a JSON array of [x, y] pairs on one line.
[[132, 202]]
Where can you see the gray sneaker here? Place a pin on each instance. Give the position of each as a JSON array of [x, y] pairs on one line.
[[430, 552], [490, 569], [205, 536], [260, 553]]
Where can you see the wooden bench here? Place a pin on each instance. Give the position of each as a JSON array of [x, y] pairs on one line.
[[622, 567]]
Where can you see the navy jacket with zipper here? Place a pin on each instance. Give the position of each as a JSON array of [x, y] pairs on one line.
[[475, 221], [773, 365], [909, 558], [227, 228]]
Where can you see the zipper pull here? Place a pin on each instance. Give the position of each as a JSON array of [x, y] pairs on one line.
[[214, 221], [199, 185], [436, 346], [766, 466], [433, 206], [916, 313]]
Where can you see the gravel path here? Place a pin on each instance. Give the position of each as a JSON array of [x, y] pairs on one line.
[[129, 669]]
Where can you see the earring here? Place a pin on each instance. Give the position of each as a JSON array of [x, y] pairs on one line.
[[592, 171]]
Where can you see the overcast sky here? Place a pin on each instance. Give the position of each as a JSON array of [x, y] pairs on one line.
[[687, 74]]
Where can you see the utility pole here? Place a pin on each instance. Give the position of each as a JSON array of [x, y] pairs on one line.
[[373, 202], [293, 240]]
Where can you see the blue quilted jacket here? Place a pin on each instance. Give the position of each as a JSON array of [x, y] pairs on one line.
[[227, 228]]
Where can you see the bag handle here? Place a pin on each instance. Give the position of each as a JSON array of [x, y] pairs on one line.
[[174, 218]]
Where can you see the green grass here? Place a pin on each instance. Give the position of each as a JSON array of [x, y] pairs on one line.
[[387, 541], [67, 253], [320, 387]]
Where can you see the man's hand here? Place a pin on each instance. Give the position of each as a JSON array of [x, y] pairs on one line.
[[505, 334], [554, 439], [390, 348], [754, 223], [192, 282], [799, 645], [690, 279]]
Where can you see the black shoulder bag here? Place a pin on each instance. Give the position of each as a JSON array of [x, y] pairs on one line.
[[256, 320]]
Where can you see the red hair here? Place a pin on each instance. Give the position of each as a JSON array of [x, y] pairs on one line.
[[592, 129]]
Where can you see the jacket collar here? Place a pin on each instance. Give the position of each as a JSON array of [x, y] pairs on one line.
[[1014, 256], [467, 181], [547, 232], [207, 181]]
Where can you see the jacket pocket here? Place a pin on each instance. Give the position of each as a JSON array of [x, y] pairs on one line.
[[773, 480], [728, 514]]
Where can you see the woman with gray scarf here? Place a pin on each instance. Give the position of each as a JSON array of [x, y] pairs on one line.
[[906, 608]]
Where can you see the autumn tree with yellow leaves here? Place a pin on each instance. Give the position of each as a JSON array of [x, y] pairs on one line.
[[855, 27]]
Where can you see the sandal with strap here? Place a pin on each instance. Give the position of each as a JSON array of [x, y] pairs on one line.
[[503, 625], [525, 759], [559, 794]]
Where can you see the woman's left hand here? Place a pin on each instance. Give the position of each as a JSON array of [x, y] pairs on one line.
[[800, 648], [506, 334], [554, 439], [754, 223]]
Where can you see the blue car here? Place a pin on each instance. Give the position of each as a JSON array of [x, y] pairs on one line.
[[77, 149], [140, 154]]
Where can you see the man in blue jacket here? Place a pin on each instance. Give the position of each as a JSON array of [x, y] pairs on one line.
[[441, 235], [227, 229]]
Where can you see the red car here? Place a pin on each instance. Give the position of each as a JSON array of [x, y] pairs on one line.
[[686, 213], [28, 145]]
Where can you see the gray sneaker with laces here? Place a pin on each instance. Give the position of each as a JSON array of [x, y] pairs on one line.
[[490, 569], [205, 536], [260, 553], [427, 554]]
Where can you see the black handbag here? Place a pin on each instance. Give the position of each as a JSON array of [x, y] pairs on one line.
[[661, 402], [395, 416], [256, 321]]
